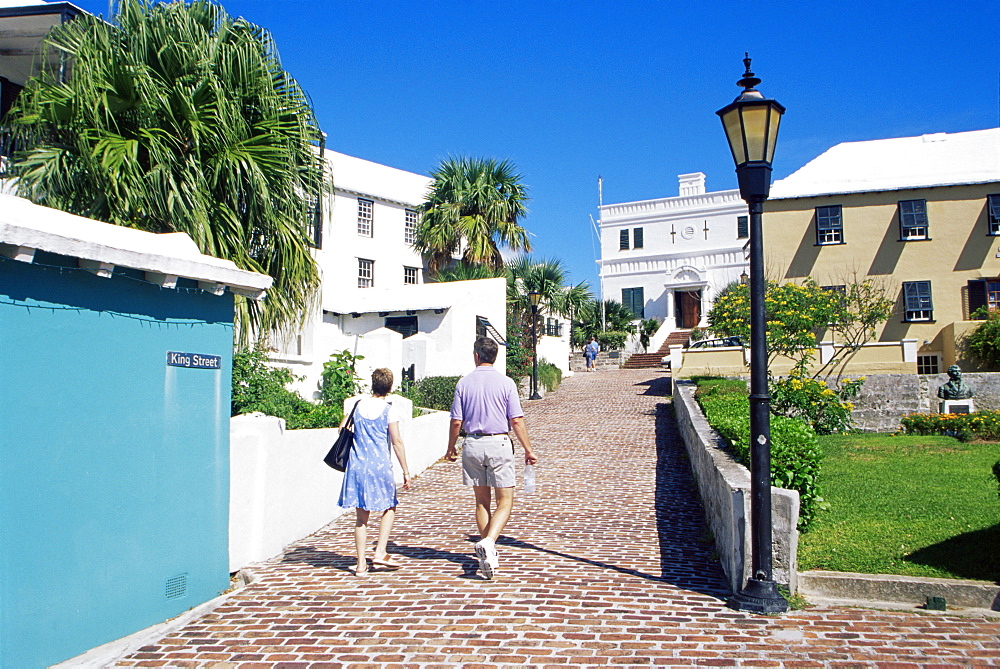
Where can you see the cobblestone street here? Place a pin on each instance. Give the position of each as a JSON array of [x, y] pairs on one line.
[[607, 564]]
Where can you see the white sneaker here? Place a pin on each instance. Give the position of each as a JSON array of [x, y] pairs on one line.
[[488, 557]]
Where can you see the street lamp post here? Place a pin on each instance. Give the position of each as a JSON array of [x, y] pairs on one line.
[[535, 298], [751, 124]]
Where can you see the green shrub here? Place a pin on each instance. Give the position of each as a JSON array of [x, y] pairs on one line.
[[518, 353], [611, 340], [795, 452], [339, 379], [984, 342], [318, 416], [826, 410], [549, 376], [432, 392], [259, 387]]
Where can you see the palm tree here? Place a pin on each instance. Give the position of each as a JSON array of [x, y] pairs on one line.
[[463, 272], [616, 318], [472, 207], [180, 118], [547, 276]]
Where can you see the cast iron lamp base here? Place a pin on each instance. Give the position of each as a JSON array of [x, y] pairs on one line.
[[759, 597]]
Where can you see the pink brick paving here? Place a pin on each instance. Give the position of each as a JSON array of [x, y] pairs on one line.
[[605, 566]]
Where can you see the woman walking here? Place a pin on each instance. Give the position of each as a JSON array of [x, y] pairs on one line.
[[368, 481]]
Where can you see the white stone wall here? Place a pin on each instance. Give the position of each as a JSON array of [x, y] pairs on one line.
[[280, 489], [724, 487], [556, 350]]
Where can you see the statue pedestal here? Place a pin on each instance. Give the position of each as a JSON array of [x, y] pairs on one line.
[[957, 406]]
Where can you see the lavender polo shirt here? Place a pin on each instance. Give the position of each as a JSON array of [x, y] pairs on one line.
[[485, 401]]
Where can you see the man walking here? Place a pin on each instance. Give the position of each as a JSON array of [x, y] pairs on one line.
[[486, 407]]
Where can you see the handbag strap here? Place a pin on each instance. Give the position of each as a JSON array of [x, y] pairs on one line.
[[350, 417]]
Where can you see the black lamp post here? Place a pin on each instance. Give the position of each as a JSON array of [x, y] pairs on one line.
[[535, 298], [751, 124]]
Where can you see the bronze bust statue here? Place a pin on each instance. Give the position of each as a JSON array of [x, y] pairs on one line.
[[955, 388]]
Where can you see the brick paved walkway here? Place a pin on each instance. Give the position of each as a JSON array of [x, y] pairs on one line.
[[605, 565]]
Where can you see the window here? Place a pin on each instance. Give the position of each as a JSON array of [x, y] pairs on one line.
[[553, 327], [637, 238], [984, 296], [917, 301], [993, 213], [840, 290], [366, 209], [913, 219], [829, 226], [410, 276], [404, 325], [314, 230], [927, 364], [410, 231], [742, 227], [623, 240], [366, 273], [992, 295], [632, 300]]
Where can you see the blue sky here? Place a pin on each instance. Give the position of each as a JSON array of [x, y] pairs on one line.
[[572, 90]]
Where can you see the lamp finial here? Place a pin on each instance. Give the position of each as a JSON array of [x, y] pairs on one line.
[[749, 80]]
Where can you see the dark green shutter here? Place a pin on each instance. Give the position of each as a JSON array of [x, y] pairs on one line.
[[977, 295]]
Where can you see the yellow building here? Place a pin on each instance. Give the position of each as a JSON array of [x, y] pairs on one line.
[[921, 215]]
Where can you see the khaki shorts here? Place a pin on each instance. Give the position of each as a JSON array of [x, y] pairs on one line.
[[488, 461]]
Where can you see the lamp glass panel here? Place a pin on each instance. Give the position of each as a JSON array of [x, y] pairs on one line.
[[734, 133], [755, 126], [772, 133]]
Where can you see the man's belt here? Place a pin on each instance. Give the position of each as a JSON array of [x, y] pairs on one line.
[[485, 434]]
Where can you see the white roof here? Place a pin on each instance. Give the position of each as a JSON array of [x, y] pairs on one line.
[[363, 177], [25, 227], [941, 159], [371, 300]]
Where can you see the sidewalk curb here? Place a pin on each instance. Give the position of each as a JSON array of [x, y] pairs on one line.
[[892, 591], [106, 655]]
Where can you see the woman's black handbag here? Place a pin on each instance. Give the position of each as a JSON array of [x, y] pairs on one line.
[[341, 450]]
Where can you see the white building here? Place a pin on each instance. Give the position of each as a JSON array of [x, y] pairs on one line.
[[668, 258], [374, 301]]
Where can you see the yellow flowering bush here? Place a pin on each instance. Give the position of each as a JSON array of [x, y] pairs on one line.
[[826, 410]]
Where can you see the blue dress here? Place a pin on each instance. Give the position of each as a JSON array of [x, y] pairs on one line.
[[368, 480]]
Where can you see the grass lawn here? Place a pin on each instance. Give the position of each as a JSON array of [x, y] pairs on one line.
[[916, 506]]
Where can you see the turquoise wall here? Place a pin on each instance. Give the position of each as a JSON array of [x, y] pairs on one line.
[[114, 467]]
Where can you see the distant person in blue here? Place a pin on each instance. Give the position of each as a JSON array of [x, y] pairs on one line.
[[590, 353], [368, 481]]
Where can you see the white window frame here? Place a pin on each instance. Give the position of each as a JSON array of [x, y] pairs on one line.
[[411, 273], [366, 217], [410, 226], [366, 273]]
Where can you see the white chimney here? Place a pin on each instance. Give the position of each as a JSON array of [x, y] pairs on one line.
[[692, 184]]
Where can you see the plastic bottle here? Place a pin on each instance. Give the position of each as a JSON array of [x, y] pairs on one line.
[[529, 479]]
